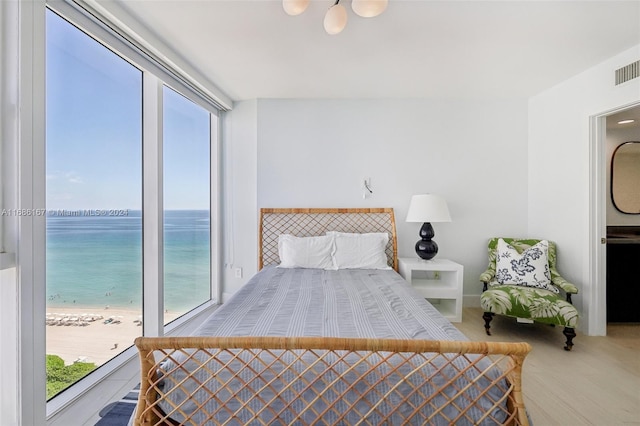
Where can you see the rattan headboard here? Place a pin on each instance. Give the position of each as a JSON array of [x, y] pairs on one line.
[[314, 222]]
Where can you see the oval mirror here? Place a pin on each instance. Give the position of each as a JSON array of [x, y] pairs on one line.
[[625, 178]]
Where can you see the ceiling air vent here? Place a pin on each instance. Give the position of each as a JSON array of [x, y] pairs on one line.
[[628, 72]]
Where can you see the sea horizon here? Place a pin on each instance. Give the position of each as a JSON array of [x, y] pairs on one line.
[[94, 259]]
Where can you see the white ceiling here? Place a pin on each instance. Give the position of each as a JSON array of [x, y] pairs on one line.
[[415, 49]]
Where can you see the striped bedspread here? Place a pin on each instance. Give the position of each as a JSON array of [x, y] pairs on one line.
[[312, 302], [344, 303]]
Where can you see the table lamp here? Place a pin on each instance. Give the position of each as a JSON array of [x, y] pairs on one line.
[[427, 208]]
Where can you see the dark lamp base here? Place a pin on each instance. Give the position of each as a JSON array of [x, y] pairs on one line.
[[426, 248]]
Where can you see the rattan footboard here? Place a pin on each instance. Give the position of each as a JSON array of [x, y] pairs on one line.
[[307, 380]]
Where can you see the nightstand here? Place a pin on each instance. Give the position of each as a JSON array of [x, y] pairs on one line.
[[437, 280]]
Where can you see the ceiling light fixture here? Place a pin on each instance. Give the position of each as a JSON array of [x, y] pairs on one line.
[[625, 121], [336, 18], [295, 7]]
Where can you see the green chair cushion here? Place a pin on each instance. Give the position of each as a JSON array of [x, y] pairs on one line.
[[525, 302]]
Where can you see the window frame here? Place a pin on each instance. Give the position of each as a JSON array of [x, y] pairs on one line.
[[154, 77]]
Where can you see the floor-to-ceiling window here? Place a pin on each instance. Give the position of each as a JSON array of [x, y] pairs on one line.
[[94, 200], [96, 137], [187, 212]]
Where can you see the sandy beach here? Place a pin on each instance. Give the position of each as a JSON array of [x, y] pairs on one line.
[[96, 341]]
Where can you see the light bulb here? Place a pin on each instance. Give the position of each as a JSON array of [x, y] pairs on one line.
[[368, 8], [294, 7], [336, 19]]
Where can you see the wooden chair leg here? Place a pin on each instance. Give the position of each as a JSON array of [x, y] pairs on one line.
[[570, 333], [487, 316]]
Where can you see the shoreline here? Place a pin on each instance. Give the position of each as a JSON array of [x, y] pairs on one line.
[[85, 334]]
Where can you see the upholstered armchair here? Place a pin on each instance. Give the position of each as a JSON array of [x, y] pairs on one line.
[[522, 281]]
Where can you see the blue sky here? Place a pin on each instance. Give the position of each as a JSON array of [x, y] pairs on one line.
[[94, 130]]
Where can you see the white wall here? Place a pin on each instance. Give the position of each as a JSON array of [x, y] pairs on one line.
[[313, 153], [239, 209], [9, 315], [559, 167]]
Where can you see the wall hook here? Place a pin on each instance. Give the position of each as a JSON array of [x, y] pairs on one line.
[[367, 187]]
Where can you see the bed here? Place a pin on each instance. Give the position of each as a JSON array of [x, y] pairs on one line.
[[328, 345]]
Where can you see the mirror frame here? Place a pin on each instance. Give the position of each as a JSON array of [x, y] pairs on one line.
[[613, 158]]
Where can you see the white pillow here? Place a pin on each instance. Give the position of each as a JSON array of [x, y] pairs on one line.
[[529, 268], [360, 251], [305, 252]]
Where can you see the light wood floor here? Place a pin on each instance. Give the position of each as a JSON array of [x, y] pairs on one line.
[[597, 383]]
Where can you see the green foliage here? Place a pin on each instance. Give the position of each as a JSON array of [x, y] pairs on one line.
[[54, 362], [60, 376]]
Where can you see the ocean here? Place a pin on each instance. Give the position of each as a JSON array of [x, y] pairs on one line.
[[96, 260]]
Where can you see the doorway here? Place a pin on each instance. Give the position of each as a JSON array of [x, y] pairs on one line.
[[602, 207]]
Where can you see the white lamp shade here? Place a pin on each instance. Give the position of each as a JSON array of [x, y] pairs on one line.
[[336, 19], [428, 208], [294, 7], [368, 8]]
